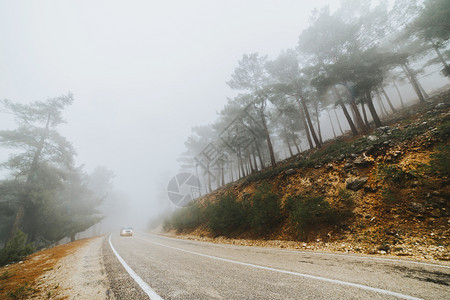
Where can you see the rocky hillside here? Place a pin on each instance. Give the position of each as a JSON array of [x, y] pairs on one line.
[[384, 192]]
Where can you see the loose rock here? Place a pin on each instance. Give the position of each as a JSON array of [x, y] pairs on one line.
[[356, 183], [289, 172]]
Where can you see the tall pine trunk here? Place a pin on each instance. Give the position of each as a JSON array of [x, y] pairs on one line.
[[311, 127], [439, 55], [388, 100], [365, 115], [399, 95], [372, 110], [296, 145], [425, 95], [254, 159], [349, 118], [247, 166], [209, 178], [289, 147], [230, 166], [382, 107], [337, 119], [412, 79], [359, 120], [222, 172], [305, 124], [345, 111], [331, 122], [261, 159], [319, 131], [252, 169], [240, 165], [269, 141]]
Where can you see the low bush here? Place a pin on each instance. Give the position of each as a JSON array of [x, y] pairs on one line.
[[167, 224], [444, 131], [389, 195], [340, 148], [440, 161], [22, 292], [411, 132], [394, 175], [307, 212], [271, 172], [5, 275], [186, 218], [346, 197], [265, 210], [226, 215], [16, 249]]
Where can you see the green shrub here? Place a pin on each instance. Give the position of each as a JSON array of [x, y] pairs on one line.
[[166, 225], [22, 292], [394, 175], [388, 195], [444, 131], [346, 197], [226, 215], [306, 212], [411, 132], [188, 217], [265, 210], [16, 249], [337, 149], [440, 161], [5, 275]]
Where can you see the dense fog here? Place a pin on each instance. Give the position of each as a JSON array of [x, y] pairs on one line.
[[126, 95]]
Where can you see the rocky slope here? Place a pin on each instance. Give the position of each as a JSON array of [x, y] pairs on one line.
[[394, 179]]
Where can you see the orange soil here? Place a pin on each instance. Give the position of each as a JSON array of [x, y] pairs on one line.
[[26, 273]]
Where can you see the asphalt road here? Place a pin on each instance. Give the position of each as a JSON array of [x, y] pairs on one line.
[[179, 269]]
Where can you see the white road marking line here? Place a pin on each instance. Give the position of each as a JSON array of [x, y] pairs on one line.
[[145, 287], [363, 257], [317, 253], [360, 286]]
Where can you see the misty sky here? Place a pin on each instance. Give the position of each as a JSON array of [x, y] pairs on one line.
[[142, 72]]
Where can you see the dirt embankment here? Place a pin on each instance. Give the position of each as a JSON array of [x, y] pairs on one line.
[[70, 271], [396, 178]]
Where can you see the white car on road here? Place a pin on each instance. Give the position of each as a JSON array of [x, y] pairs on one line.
[[126, 231]]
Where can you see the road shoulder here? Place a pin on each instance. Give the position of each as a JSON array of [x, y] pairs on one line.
[[120, 282], [69, 271]]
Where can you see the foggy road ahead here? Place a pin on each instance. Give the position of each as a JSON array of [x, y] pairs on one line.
[[179, 269]]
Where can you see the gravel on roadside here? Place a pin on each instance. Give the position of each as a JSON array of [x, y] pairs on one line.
[[79, 275], [120, 282]]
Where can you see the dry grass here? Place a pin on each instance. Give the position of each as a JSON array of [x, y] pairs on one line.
[[20, 280]]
